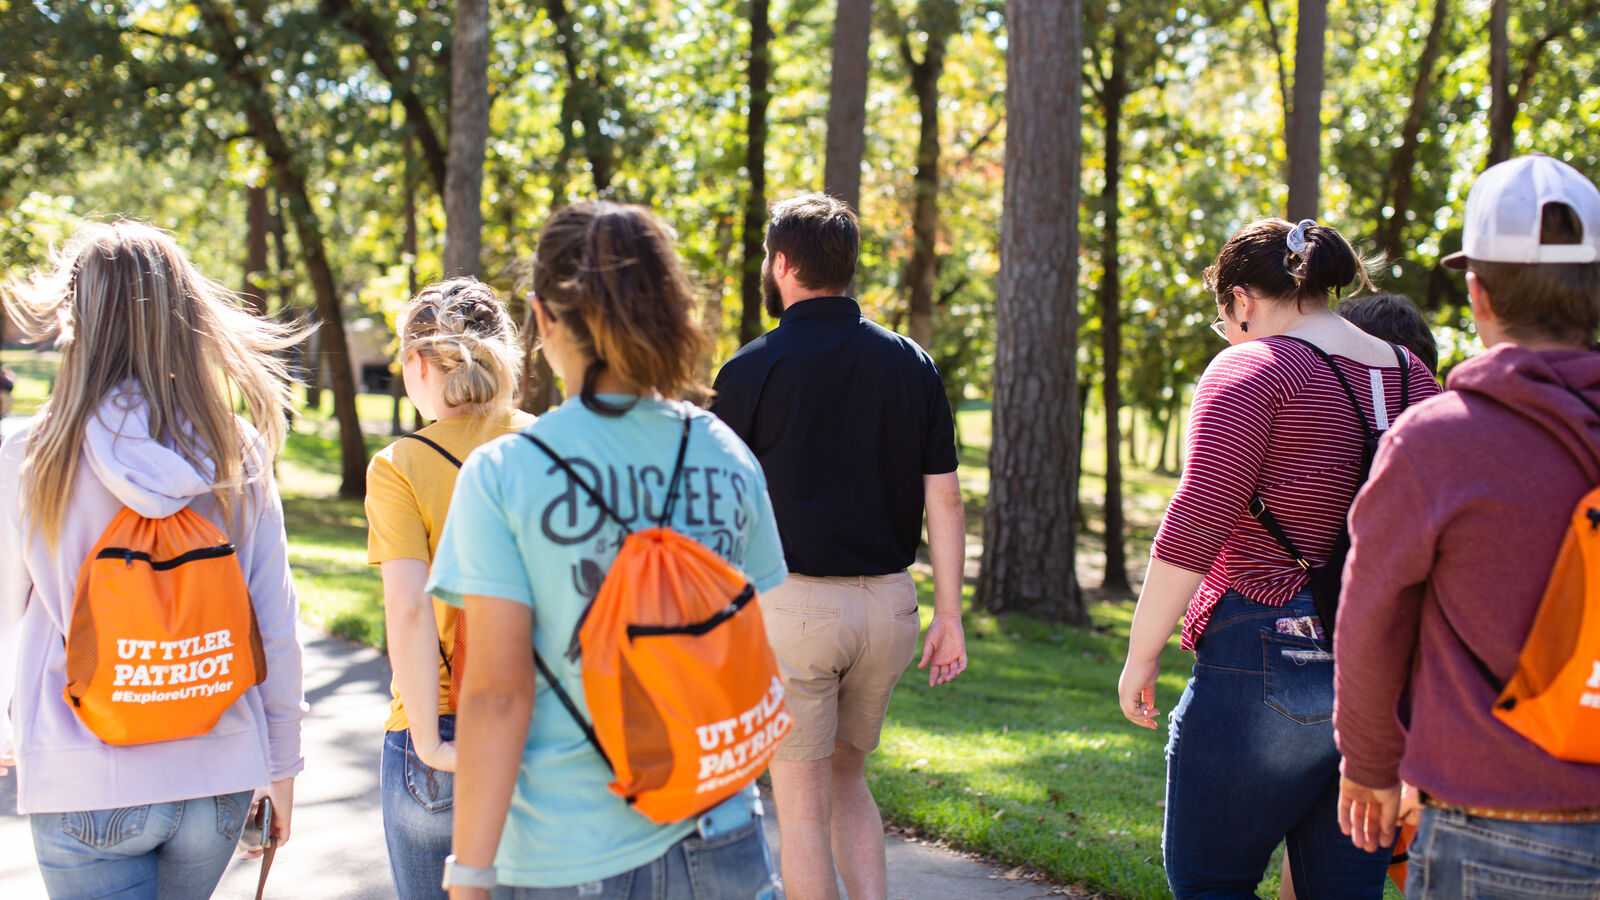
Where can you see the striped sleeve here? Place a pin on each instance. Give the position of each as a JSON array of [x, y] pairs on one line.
[[1230, 422]]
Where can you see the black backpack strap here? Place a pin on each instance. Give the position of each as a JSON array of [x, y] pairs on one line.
[[444, 656], [1405, 374], [572, 709], [677, 477], [572, 473], [1355, 404], [438, 449], [1258, 511]]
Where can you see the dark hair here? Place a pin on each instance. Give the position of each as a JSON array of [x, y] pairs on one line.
[[1258, 257], [820, 237], [610, 274], [1393, 318], [1560, 301]]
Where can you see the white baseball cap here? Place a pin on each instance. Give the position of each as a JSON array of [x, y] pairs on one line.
[[1506, 205]]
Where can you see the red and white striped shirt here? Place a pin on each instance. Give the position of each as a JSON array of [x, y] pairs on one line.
[[1270, 417]]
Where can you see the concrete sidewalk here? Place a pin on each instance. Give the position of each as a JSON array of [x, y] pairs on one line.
[[337, 850]]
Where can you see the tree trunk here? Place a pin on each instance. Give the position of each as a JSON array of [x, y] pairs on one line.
[[1502, 112], [1405, 156], [582, 102], [1179, 429], [469, 132], [1029, 526], [258, 222], [408, 214], [847, 101], [1112, 94], [755, 163], [716, 293], [922, 273], [1303, 137], [1166, 432], [291, 179]]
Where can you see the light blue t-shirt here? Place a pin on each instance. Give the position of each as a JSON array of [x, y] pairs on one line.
[[519, 530]]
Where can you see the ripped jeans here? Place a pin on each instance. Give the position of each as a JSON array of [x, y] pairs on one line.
[[1251, 762]]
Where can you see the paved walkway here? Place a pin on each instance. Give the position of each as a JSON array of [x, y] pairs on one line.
[[337, 848]]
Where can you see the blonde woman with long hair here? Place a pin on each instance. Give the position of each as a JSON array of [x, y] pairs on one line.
[[461, 361], [154, 361]]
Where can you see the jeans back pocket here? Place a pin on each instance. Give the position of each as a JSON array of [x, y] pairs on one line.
[[433, 789], [1298, 678], [105, 828]]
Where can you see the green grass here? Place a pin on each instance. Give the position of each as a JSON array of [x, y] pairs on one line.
[[338, 590], [1026, 756], [35, 374]]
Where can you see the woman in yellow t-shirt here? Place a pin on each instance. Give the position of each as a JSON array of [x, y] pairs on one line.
[[461, 363]]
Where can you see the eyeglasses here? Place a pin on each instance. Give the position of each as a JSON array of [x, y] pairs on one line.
[[1220, 327]]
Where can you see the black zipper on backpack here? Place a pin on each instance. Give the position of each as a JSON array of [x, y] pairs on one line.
[[161, 565], [701, 627]]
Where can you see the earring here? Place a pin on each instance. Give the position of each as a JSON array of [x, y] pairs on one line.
[[1245, 327]]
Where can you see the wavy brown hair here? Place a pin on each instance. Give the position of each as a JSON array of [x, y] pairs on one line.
[[610, 274], [124, 304]]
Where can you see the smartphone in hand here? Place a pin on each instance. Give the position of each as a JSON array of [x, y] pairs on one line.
[[257, 833]]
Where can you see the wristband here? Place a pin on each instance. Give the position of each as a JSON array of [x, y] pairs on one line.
[[457, 875]]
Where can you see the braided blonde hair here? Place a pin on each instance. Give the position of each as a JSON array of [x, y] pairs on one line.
[[460, 326]]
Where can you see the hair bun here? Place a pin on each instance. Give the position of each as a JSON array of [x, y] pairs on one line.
[[1328, 265]]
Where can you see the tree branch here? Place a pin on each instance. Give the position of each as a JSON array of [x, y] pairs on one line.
[[1277, 52], [1531, 67], [367, 32]]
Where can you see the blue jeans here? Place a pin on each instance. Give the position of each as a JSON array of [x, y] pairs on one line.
[[1251, 762], [725, 859], [417, 810], [1460, 856], [170, 851]]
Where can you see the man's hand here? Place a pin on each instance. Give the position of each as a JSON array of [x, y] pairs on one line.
[[1136, 691], [945, 646], [8, 761], [1367, 814], [1410, 805]]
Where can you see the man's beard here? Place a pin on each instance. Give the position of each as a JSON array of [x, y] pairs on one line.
[[771, 298]]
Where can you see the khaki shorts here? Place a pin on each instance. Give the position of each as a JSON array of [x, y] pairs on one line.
[[842, 644]]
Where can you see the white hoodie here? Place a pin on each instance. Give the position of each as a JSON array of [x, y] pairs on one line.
[[61, 765]]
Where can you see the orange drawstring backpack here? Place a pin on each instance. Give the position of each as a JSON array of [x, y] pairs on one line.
[[163, 637], [677, 671], [1553, 699]]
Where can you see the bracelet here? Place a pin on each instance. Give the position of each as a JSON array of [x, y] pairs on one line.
[[457, 875]]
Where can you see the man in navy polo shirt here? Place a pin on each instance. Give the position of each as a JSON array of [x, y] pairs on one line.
[[855, 435]]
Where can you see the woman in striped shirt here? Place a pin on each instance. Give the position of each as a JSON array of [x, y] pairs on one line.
[[1251, 759]]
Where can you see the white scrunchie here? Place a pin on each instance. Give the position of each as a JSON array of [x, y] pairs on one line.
[[1297, 236]]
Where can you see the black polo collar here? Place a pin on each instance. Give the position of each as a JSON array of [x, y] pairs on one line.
[[820, 308]]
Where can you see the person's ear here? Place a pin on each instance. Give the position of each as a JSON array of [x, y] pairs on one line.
[[1244, 306], [1482, 306], [542, 320], [780, 265]]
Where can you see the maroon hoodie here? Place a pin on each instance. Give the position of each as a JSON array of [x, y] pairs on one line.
[[1453, 540]]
